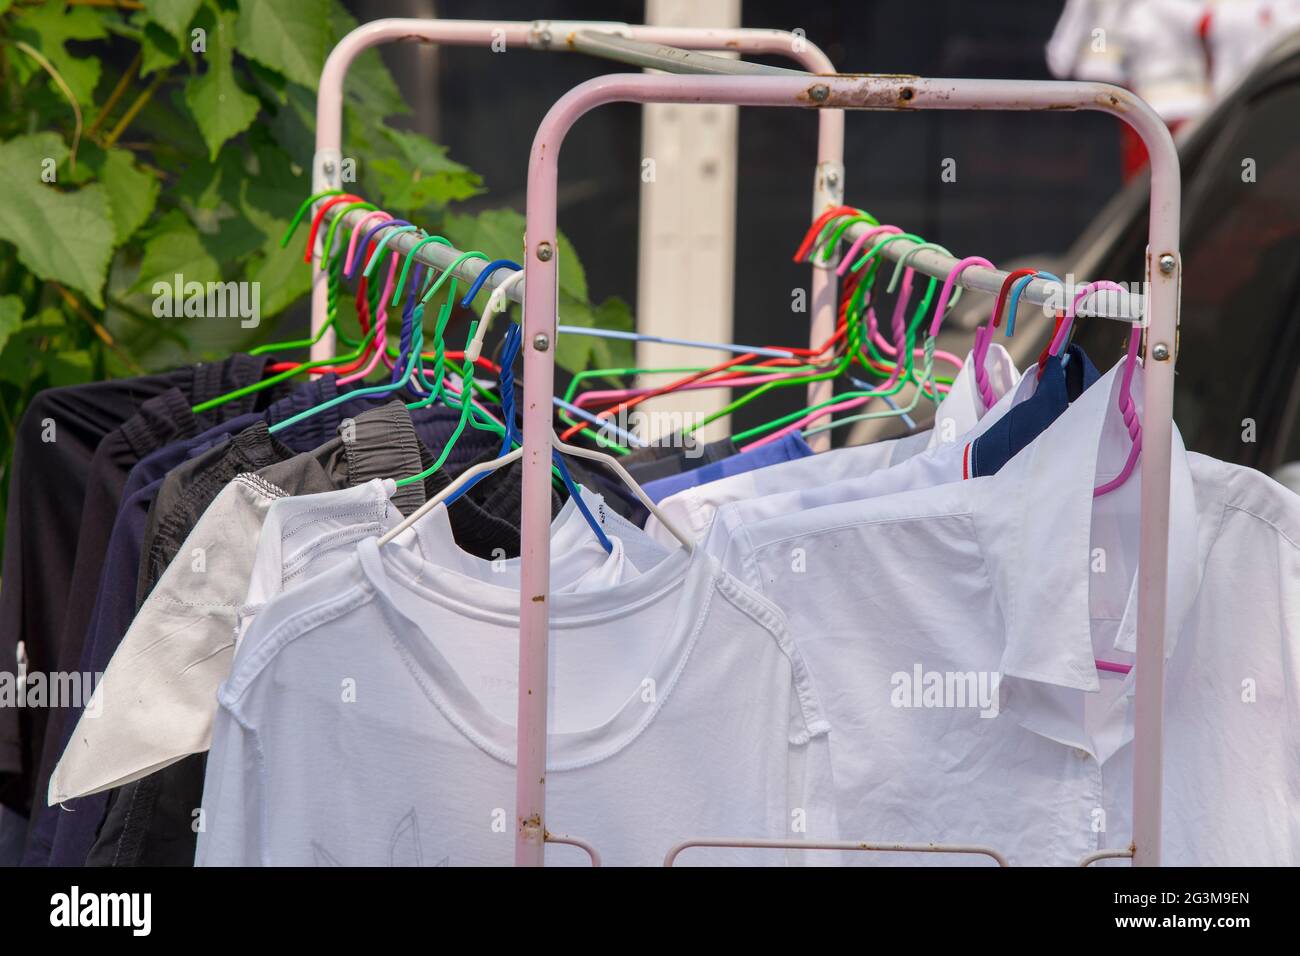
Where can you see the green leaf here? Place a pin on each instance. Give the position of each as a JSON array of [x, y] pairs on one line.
[[172, 15], [132, 193], [30, 346], [175, 247], [158, 49], [47, 28], [291, 38], [370, 86], [11, 316], [269, 196], [578, 352], [68, 367], [218, 104], [417, 173], [284, 277], [500, 234], [64, 236]]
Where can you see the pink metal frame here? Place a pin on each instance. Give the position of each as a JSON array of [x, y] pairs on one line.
[[828, 185], [866, 92]]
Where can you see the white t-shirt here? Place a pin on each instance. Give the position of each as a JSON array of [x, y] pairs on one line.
[[369, 720], [953, 633], [155, 702], [692, 509]]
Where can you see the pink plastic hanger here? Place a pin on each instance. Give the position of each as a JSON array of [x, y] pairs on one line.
[[381, 327], [1127, 406]]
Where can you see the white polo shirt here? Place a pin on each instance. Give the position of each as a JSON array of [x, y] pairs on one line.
[[942, 463], [952, 634], [957, 413]]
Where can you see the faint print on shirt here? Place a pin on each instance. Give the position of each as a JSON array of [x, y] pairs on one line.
[[403, 846], [946, 689]]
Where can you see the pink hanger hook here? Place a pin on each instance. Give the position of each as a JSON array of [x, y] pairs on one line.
[[1063, 333], [948, 284], [862, 240], [359, 229]]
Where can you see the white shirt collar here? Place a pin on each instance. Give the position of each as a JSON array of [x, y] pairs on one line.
[[962, 407], [1036, 524]]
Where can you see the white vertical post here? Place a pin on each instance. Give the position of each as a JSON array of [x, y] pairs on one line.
[[686, 267]]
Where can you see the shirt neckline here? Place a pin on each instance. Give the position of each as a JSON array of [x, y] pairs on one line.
[[688, 579]]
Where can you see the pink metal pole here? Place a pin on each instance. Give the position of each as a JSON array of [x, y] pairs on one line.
[[828, 184], [898, 93]]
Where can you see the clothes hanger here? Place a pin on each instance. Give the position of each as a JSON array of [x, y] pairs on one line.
[[818, 224], [1016, 292], [331, 269], [489, 466], [829, 240], [407, 370], [904, 336], [381, 327], [926, 386], [823, 222], [331, 233], [1127, 407], [276, 379], [509, 353], [983, 339], [695, 375]]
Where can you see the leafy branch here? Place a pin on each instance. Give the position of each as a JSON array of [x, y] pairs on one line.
[[196, 155]]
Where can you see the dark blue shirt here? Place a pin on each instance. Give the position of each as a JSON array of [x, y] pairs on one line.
[[1060, 384]]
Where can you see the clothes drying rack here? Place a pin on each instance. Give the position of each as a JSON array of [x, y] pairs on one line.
[[564, 36], [832, 93]]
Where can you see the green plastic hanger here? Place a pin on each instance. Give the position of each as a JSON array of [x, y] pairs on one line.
[[857, 337]]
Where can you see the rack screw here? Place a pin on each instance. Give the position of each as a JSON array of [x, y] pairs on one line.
[[541, 342], [1160, 352], [328, 167], [832, 180], [546, 38], [819, 93], [544, 251], [1167, 264]]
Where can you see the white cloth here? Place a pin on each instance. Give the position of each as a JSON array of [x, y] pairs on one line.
[[1241, 32], [1085, 43], [157, 697], [940, 464], [956, 414], [369, 716], [911, 607], [1152, 47]]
